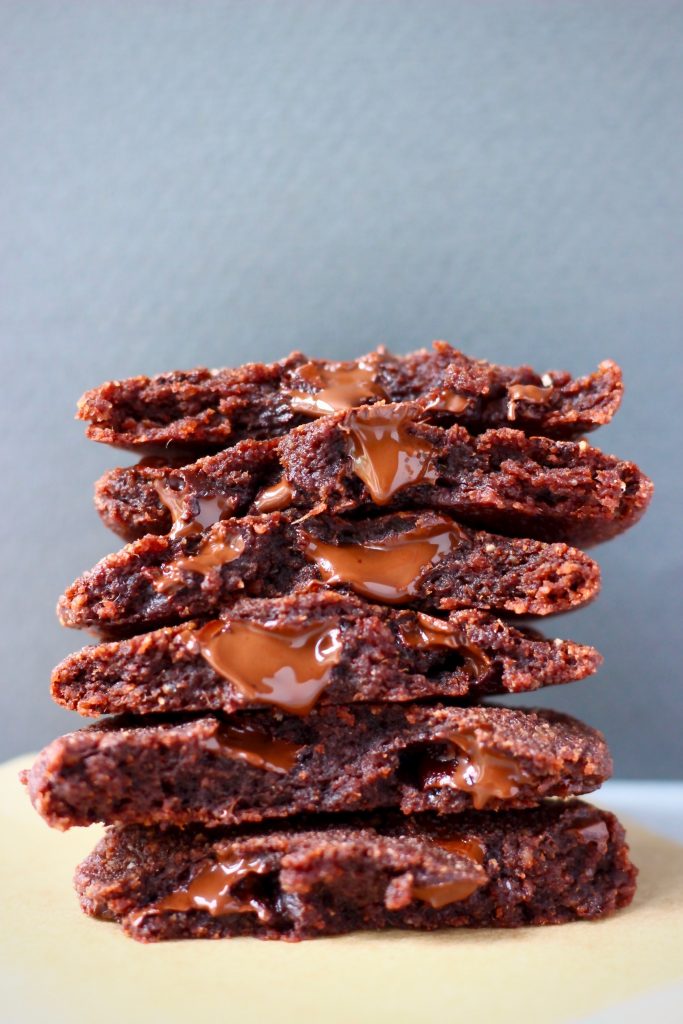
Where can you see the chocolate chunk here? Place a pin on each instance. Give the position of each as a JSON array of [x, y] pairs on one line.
[[391, 570], [326, 647], [288, 667], [328, 876], [203, 410], [526, 393], [489, 776], [425, 559], [275, 498], [256, 747], [334, 386], [259, 765], [387, 455]]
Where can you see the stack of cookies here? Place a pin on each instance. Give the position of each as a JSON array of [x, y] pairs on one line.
[[321, 588]]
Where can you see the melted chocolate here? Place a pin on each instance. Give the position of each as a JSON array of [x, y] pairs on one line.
[[447, 401], [481, 773], [339, 386], [389, 570], [256, 748], [526, 393], [212, 890], [274, 498], [470, 848], [385, 454], [287, 667], [185, 522], [440, 894], [214, 552], [431, 632]]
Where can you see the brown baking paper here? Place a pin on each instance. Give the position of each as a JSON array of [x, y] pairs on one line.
[[59, 965]]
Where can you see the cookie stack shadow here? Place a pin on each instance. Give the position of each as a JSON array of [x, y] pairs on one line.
[[325, 569]]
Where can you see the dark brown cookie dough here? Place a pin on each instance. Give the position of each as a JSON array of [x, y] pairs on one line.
[[331, 648], [203, 410], [423, 559], [556, 863], [260, 764], [501, 480]]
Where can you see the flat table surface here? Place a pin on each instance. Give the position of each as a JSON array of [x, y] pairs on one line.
[[61, 966]]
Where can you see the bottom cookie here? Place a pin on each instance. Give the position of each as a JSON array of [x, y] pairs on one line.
[[556, 863]]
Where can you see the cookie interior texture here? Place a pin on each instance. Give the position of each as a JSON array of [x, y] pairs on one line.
[[552, 864]]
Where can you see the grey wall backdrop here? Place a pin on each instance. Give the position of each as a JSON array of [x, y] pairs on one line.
[[186, 183]]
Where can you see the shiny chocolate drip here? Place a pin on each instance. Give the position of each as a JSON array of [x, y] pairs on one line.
[[467, 847], [288, 667], [430, 632], [185, 522], [440, 894], [214, 552], [175, 503], [446, 400], [274, 498], [385, 454], [527, 393], [339, 386], [244, 743], [388, 570], [212, 890], [481, 773]]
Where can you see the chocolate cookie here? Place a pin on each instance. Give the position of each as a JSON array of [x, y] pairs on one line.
[[556, 863], [424, 559], [387, 455], [205, 409], [293, 652], [260, 764]]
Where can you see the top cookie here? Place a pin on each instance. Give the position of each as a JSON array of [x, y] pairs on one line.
[[202, 410]]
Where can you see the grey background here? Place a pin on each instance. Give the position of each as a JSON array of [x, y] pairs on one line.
[[187, 183]]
